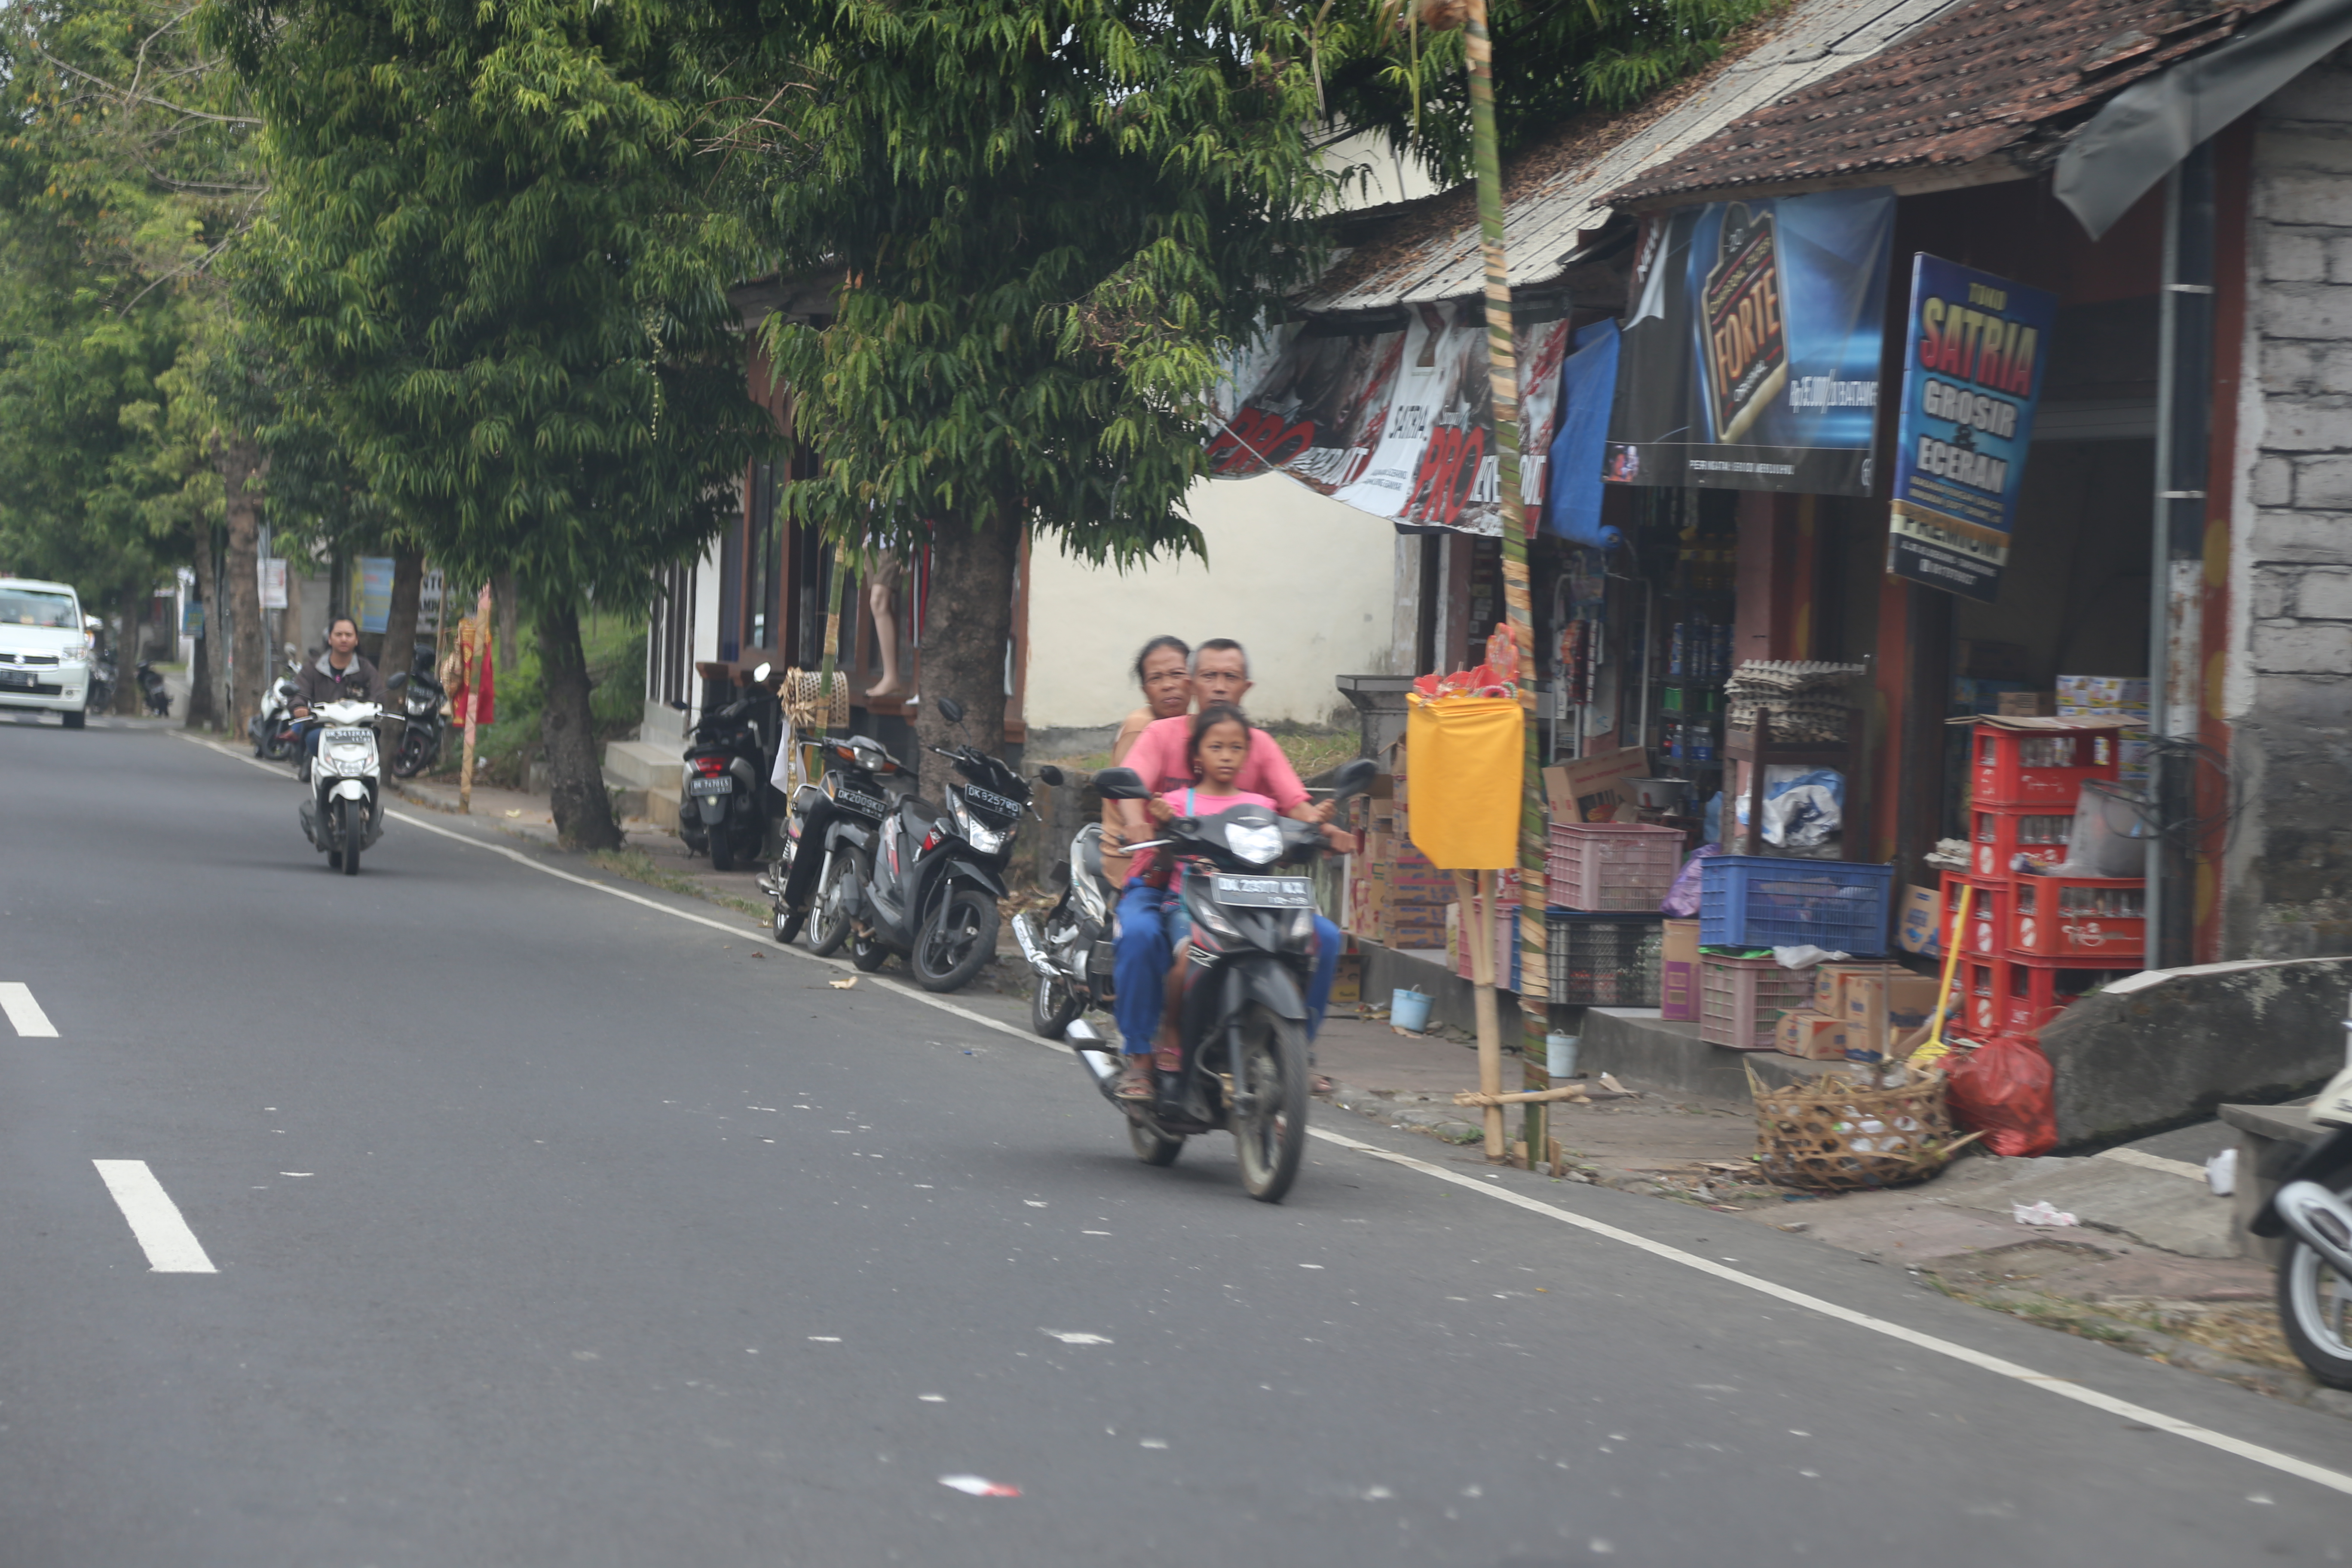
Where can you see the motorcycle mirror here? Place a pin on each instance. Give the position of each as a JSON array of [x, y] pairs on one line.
[[1354, 778], [396, 683], [951, 709], [760, 675], [1120, 783], [679, 703], [1050, 775]]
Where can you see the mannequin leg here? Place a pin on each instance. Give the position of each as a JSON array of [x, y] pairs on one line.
[[878, 605]]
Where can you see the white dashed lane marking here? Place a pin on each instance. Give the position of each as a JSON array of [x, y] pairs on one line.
[[170, 1246], [16, 1001]]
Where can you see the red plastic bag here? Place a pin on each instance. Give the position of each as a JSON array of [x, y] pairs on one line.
[[2005, 1088]]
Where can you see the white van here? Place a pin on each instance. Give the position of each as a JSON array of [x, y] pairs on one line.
[[44, 652]]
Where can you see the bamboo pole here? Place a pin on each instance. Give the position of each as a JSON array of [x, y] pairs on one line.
[[831, 635], [473, 679], [1477, 927], [1502, 370]]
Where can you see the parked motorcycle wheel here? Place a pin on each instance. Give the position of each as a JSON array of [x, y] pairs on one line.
[[1150, 1146], [1052, 1006], [828, 922], [351, 826], [1269, 1113], [2314, 1309], [959, 936], [722, 848], [414, 754], [867, 955]]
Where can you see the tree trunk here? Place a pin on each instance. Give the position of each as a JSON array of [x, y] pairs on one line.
[[400, 620], [584, 811], [966, 633], [250, 664], [502, 596], [127, 696], [203, 713]]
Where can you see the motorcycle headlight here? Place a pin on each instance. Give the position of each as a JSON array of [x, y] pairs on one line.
[[1258, 843], [979, 834]]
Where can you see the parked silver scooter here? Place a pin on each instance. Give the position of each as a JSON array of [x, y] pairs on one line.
[[2311, 1212], [1071, 949]]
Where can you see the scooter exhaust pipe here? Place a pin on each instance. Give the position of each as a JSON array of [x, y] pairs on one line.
[[2322, 1219], [1100, 1057], [1024, 931]]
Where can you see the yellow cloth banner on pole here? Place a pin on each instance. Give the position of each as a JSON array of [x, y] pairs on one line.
[[1463, 772]]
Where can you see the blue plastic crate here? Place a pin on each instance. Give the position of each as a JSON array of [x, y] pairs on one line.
[[1765, 900]]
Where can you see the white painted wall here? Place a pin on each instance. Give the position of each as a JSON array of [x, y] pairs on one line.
[[1307, 586]]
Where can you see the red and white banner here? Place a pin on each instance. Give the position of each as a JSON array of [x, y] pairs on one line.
[[1396, 424]]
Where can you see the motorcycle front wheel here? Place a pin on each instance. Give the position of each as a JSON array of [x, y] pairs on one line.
[[828, 921], [350, 826], [956, 940], [1052, 1006], [1269, 1111], [2314, 1309], [867, 955]]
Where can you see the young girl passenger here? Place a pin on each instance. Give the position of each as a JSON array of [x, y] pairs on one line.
[[1220, 746]]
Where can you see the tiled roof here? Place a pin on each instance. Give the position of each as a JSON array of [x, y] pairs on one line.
[[1989, 77], [1429, 249]]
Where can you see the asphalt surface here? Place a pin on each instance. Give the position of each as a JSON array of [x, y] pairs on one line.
[[550, 1228]]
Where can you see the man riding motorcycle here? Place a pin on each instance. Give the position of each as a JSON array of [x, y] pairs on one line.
[[1161, 756], [338, 675]]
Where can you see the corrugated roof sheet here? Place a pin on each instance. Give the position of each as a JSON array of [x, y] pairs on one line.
[[1992, 77], [1429, 251]]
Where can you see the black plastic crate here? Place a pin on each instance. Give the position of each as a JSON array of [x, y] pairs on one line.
[[1606, 961]]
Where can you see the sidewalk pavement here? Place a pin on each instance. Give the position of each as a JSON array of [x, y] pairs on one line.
[[2150, 1267]]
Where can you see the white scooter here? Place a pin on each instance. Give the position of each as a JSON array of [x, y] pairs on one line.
[[343, 812], [2311, 1216]]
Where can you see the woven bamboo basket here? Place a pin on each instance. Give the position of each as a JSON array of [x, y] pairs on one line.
[[1839, 1134], [800, 695]]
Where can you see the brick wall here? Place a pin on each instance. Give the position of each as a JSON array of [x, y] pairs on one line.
[[2287, 687]]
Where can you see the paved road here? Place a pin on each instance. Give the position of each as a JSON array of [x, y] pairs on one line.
[[554, 1229]]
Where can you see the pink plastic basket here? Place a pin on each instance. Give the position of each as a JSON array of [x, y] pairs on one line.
[[1605, 867], [1740, 1000]]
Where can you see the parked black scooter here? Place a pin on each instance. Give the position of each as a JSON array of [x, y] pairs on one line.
[[1243, 1025], [834, 823], [420, 739], [724, 812], [929, 889], [152, 692]]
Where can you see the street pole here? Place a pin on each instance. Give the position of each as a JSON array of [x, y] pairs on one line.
[[832, 638], [1502, 370]]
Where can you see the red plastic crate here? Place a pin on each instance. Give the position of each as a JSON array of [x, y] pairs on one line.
[[1605, 867], [2038, 989], [1982, 985], [2002, 833], [2038, 767], [1987, 932], [1740, 1000], [2079, 917]]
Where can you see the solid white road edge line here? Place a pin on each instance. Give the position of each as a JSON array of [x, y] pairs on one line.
[[24, 1013], [2271, 1457], [170, 1246], [2063, 1387]]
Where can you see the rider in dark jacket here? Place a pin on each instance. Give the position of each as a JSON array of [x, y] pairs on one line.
[[340, 674]]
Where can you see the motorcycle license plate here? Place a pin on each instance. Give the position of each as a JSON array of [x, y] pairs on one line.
[[354, 733], [722, 784], [1266, 892]]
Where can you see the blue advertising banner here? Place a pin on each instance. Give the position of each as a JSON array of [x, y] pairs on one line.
[[1751, 362], [1971, 377]]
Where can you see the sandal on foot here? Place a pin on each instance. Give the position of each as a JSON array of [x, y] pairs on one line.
[[1135, 1082]]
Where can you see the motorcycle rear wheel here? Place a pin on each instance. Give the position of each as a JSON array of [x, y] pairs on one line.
[[2314, 1309], [1150, 1146], [1269, 1116], [722, 848], [828, 921], [959, 936], [867, 955]]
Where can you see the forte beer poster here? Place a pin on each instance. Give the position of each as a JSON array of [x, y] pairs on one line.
[[1751, 359], [1972, 376]]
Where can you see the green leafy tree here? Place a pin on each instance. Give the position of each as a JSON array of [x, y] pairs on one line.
[[1051, 220], [488, 243]]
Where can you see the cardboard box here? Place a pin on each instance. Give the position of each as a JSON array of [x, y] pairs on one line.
[[1596, 789], [1918, 921], [1347, 983], [1829, 979], [1879, 1006], [2025, 704], [1816, 1036], [1678, 972]]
